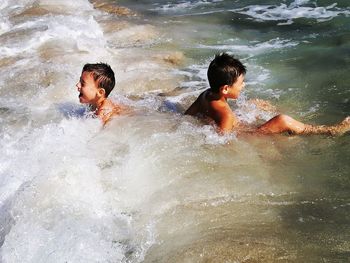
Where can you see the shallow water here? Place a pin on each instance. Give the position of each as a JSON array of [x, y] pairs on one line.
[[157, 186]]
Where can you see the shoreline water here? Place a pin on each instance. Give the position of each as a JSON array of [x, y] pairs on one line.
[[158, 186]]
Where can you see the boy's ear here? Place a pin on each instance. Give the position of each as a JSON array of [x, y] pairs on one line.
[[101, 92], [224, 89]]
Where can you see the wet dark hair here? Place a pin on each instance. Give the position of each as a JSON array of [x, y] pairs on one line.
[[103, 74], [224, 70]]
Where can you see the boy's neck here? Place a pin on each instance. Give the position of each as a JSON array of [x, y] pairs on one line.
[[99, 104], [217, 96]]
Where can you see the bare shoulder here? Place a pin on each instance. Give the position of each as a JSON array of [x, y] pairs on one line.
[[223, 116], [220, 109], [110, 109], [121, 109]]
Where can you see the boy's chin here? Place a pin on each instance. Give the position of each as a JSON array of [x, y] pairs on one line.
[[82, 101], [232, 97]]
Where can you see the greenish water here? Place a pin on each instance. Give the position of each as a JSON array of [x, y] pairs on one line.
[[307, 59]]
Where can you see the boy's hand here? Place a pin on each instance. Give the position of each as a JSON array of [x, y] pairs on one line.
[[263, 105]]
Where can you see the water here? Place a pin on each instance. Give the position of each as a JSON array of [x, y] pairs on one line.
[[157, 186]]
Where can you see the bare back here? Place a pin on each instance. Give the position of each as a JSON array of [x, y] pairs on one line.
[[208, 104]]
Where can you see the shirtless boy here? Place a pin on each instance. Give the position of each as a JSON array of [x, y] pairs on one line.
[[95, 84], [226, 79]]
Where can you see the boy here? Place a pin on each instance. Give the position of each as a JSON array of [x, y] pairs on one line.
[[95, 84], [226, 80]]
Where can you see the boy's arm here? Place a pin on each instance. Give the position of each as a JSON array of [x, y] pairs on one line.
[[263, 105], [226, 121], [226, 124]]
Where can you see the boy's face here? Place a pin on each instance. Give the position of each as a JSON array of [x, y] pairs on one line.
[[88, 89], [234, 90]]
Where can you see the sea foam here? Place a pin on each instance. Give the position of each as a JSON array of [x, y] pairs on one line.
[[286, 14], [253, 48], [185, 5]]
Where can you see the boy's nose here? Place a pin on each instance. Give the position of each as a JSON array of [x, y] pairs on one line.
[[78, 86]]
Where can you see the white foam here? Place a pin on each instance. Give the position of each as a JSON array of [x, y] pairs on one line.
[[294, 11], [249, 113], [184, 5], [3, 4], [82, 31], [72, 200], [59, 202], [76, 6], [258, 48], [195, 75], [5, 24]]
